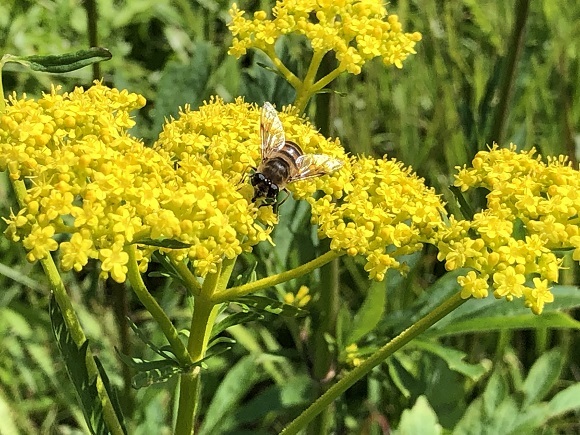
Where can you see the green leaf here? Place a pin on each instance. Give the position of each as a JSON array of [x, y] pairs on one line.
[[490, 314], [112, 393], [235, 319], [495, 392], [249, 273], [235, 385], [142, 365], [453, 358], [369, 314], [420, 419], [155, 376], [263, 304], [542, 376], [565, 401], [163, 243], [466, 209], [219, 346], [60, 63], [75, 362], [161, 352], [184, 83]]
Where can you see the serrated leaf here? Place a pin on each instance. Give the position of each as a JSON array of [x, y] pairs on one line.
[[61, 63], [184, 83], [235, 319], [369, 314], [155, 376], [163, 353], [269, 305], [142, 365], [112, 393], [75, 362], [542, 376], [163, 243]]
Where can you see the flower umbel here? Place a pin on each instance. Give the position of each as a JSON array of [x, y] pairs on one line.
[[384, 211], [86, 176], [356, 31], [532, 209]]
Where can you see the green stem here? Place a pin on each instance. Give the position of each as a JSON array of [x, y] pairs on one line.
[[73, 324], [326, 80], [242, 290], [379, 356], [204, 314], [187, 277], [304, 91], [155, 309], [288, 75]]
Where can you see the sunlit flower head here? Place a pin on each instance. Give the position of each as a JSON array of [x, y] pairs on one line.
[[356, 31], [384, 211], [87, 177], [532, 209]]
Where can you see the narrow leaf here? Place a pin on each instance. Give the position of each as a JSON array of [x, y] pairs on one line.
[[269, 305], [61, 63], [75, 362], [235, 319], [155, 376], [164, 354], [235, 385], [164, 243], [142, 365]]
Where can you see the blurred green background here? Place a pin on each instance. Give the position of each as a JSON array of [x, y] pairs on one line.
[[485, 71]]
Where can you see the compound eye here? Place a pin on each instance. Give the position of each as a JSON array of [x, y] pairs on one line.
[[273, 193]]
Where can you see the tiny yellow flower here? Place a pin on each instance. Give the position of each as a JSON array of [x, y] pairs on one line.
[[532, 208], [355, 30]]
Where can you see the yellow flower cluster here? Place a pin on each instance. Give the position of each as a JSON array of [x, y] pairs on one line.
[[87, 177], [532, 209], [356, 30], [384, 211]]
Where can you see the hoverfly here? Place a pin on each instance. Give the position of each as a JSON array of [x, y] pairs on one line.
[[283, 161]]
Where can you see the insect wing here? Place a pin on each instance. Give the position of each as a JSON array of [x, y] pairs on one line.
[[271, 131], [314, 165]]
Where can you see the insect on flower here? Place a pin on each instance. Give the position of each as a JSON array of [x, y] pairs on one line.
[[283, 161]]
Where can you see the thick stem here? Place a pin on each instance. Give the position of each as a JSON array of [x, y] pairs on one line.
[[204, 314], [379, 356], [304, 92]]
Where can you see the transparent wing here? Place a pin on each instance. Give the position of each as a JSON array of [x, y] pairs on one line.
[[271, 131], [314, 165]]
